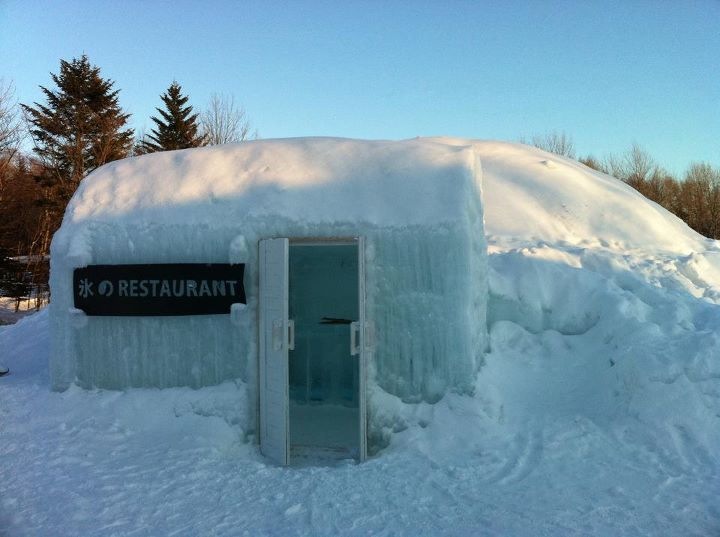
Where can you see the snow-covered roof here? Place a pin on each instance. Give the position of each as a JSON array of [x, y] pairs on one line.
[[530, 194], [319, 180]]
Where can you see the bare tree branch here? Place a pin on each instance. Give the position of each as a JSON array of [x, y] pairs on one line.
[[224, 122], [633, 167], [10, 129], [555, 142]]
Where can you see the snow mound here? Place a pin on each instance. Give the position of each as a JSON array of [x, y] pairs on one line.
[[535, 196]]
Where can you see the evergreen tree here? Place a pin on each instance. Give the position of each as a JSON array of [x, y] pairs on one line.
[[177, 127], [80, 128]]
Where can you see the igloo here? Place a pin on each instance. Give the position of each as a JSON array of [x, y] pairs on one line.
[[335, 268]]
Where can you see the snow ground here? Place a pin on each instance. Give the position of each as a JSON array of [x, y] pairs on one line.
[[597, 411], [8, 315]]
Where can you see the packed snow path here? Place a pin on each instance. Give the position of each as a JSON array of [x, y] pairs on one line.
[[597, 411]]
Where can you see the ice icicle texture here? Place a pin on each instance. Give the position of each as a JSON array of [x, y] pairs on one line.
[[428, 309]]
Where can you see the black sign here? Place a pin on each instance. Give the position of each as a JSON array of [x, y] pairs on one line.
[[164, 289]]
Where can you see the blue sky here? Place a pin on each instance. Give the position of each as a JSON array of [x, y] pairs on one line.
[[607, 73]]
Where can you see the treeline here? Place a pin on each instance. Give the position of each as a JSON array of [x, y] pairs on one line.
[[79, 126], [694, 197]]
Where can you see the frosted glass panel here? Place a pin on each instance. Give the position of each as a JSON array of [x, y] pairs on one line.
[[323, 302]]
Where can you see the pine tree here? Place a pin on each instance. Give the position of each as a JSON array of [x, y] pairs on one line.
[[80, 128], [177, 128]]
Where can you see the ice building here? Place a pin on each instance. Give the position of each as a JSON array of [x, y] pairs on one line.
[[316, 270]]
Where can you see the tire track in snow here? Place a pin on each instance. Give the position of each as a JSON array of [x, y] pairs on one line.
[[692, 454], [648, 448], [523, 460]]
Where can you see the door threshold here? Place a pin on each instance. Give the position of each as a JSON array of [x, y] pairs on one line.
[[322, 454]]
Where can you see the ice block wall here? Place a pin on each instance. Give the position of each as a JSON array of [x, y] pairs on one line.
[[429, 300], [426, 297], [121, 352]]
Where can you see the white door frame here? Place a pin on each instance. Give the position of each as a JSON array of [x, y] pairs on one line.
[[364, 351], [274, 346], [275, 338]]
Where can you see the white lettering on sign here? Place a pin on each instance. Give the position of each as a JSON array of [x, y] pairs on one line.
[[174, 288], [191, 288], [161, 289], [164, 288]]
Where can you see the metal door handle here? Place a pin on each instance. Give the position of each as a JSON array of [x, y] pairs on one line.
[[277, 337], [354, 336], [291, 335]]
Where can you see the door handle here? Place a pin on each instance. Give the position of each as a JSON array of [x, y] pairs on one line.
[[277, 334], [354, 337], [291, 334]]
